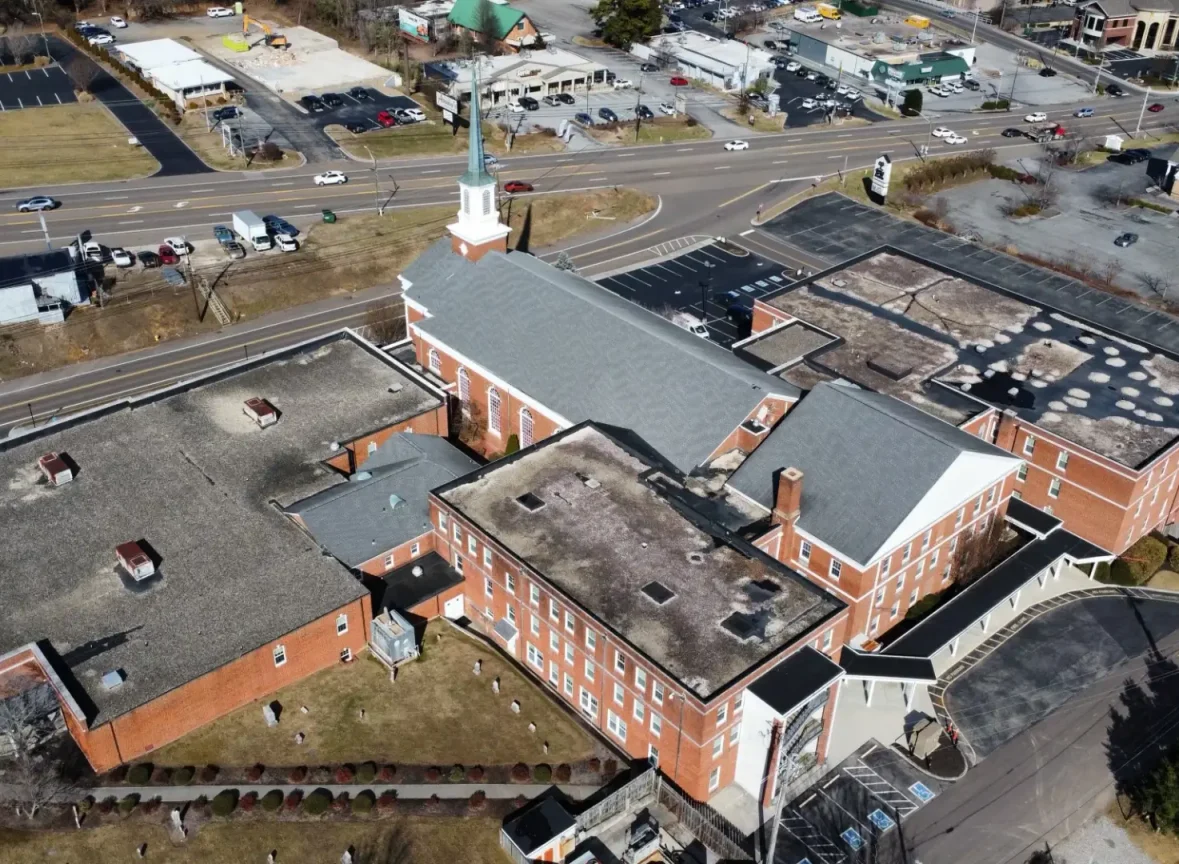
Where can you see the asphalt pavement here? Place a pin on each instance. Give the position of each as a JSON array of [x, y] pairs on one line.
[[35, 88]]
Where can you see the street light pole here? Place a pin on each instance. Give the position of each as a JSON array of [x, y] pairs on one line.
[[1142, 113], [376, 182], [974, 29]]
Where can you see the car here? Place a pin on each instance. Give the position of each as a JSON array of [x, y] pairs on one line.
[[740, 313], [821, 79], [678, 81], [528, 102], [286, 242], [234, 249], [167, 256], [222, 234], [644, 112], [648, 67], [1035, 117], [801, 71], [101, 39], [219, 12], [280, 226], [1115, 90], [551, 100], [793, 66], [710, 17], [360, 94], [116, 21], [332, 100], [935, 90], [489, 160], [737, 145], [356, 128], [830, 85], [842, 89], [1129, 157], [122, 258], [331, 178], [1047, 72], [515, 107], [229, 112], [514, 186], [809, 104], [956, 87], [179, 245], [608, 115], [1126, 239], [955, 138], [386, 119], [854, 96], [941, 132], [771, 44], [404, 116], [944, 92], [91, 250], [622, 84], [313, 103], [971, 84], [667, 108], [566, 99], [811, 76], [1139, 153], [149, 260], [37, 203], [82, 25], [583, 118], [1156, 108], [1012, 133], [1083, 112]]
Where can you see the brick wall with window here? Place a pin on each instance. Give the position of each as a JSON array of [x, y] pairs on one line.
[[391, 559], [353, 454]]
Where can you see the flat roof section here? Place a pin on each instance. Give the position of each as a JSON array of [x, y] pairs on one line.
[[419, 580], [951, 345], [187, 474], [597, 529], [796, 679], [784, 346]]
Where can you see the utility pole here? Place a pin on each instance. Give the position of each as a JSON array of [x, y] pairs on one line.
[[1011, 98], [1142, 113], [376, 182], [1097, 77], [974, 29], [638, 97], [205, 100]]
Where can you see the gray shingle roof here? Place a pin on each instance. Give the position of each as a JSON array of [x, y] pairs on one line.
[[586, 353], [867, 460], [356, 521]]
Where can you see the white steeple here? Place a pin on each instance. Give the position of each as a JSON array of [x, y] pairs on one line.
[[478, 229]]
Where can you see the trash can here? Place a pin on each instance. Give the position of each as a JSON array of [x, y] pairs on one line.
[[329, 216]]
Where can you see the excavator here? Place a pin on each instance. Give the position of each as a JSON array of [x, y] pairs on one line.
[[273, 40]]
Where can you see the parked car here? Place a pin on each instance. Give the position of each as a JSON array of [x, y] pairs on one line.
[[566, 99], [219, 12], [515, 107], [179, 245], [551, 100], [234, 250], [167, 256], [529, 103], [644, 112], [408, 116], [971, 84], [37, 203], [1035, 117], [313, 103], [608, 115], [514, 186], [1126, 239], [1156, 108], [809, 104], [1129, 157], [122, 258], [149, 260], [332, 100], [222, 234], [331, 178], [356, 128], [679, 81], [648, 67], [280, 226], [1114, 90], [118, 22], [386, 119], [286, 242], [667, 108], [359, 93], [736, 145], [229, 112], [1083, 112], [583, 118], [622, 84], [101, 39]]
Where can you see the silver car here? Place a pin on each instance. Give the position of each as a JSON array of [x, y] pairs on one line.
[[36, 203]]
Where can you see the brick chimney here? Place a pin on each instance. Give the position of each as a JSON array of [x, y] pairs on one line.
[[1006, 431], [788, 497]]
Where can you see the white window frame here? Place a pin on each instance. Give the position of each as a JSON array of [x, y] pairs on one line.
[[734, 735], [570, 625], [534, 594], [554, 611], [464, 388], [554, 673], [434, 360], [836, 568], [472, 544], [739, 703], [804, 551], [619, 662], [616, 725], [591, 639], [554, 642], [657, 692], [585, 701], [568, 685], [1022, 473], [828, 637], [641, 679], [487, 556], [590, 670], [510, 582], [280, 655], [885, 566], [1029, 445], [718, 746], [534, 625], [714, 779], [722, 714], [619, 694], [535, 656], [389, 560], [1054, 488], [488, 586], [527, 427], [640, 711], [442, 521], [341, 623], [495, 410], [570, 657], [415, 549], [656, 724]]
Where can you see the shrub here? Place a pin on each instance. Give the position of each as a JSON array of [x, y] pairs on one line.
[[201, 801], [363, 803], [520, 773], [297, 775], [129, 803], [107, 804], [1173, 558], [317, 802], [433, 802], [996, 105], [293, 800], [609, 768], [151, 805], [433, 775], [182, 776], [366, 772], [387, 801], [520, 801], [923, 606], [594, 764], [477, 801], [457, 773], [225, 802], [86, 804], [1140, 561], [118, 775], [388, 772], [254, 773], [1002, 172], [542, 773], [563, 773], [162, 776], [513, 444], [341, 803], [248, 801], [475, 773], [344, 774], [272, 800], [139, 774], [209, 773]]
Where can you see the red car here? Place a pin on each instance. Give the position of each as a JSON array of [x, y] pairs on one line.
[[517, 186], [386, 119], [167, 255], [678, 81], [1156, 108]]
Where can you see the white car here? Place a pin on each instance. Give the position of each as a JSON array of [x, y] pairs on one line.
[[1036, 117], [954, 138], [842, 89], [101, 39], [809, 104], [116, 21], [179, 245], [219, 12], [958, 88], [667, 108], [416, 114], [122, 258], [622, 84], [943, 91], [330, 178], [793, 66], [515, 107], [941, 132], [737, 145], [286, 243]]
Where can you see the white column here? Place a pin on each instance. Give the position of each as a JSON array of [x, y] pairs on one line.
[[869, 686], [954, 646], [909, 691], [1015, 600], [1056, 568]]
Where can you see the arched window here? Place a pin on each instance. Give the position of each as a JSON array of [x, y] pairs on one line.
[[466, 202], [435, 361], [487, 202], [494, 424], [464, 387], [525, 427]]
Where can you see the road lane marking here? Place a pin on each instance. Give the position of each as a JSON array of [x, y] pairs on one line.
[[433, 171], [117, 198], [204, 190], [721, 168], [685, 150], [132, 222], [781, 162], [287, 183], [660, 173]]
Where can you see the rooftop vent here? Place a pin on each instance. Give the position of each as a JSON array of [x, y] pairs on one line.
[[530, 501], [135, 561], [417, 570], [740, 625], [396, 387], [114, 679], [396, 501], [361, 476], [56, 470], [590, 482], [890, 367], [261, 412], [696, 557], [658, 592]]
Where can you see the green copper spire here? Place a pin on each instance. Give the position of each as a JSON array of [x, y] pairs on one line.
[[476, 174]]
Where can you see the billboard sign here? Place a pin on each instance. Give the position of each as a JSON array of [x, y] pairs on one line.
[[446, 103], [881, 174], [413, 25]]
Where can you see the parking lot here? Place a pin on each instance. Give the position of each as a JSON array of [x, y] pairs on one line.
[[622, 102], [35, 87], [706, 283], [853, 812], [792, 90], [361, 110]]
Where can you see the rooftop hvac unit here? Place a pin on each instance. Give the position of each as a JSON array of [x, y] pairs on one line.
[[56, 470], [261, 412], [135, 561]]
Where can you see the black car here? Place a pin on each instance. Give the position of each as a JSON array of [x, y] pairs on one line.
[[1012, 133], [644, 112], [583, 118], [971, 84], [1115, 90], [1047, 72], [356, 128], [566, 98], [229, 112], [821, 79], [607, 115], [802, 72], [280, 226], [333, 100], [529, 104], [1129, 157], [648, 67], [673, 18], [771, 44], [709, 17], [1126, 239], [149, 260], [359, 93], [313, 103], [830, 85]]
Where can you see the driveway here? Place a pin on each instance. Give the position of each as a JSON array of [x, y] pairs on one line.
[[174, 156]]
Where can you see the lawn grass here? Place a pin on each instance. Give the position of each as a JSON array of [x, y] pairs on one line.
[[558, 217], [661, 130], [437, 713], [208, 146], [67, 144], [762, 122], [424, 840], [1159, 847]]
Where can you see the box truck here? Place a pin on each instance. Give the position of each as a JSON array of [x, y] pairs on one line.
[[248, 226]]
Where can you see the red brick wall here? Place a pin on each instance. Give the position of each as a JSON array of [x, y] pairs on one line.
[[433, 607], [430, 423], [313, 647], [774, 409], [403, 554], [766, 316]]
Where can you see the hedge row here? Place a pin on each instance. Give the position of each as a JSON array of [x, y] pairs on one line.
[[164, 104]]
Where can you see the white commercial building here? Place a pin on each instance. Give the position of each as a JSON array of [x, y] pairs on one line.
[[175, 69], [722, 63], [535, 73]]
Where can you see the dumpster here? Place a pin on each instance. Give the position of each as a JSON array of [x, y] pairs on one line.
[[329, 216]]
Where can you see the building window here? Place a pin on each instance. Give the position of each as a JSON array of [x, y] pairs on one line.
[[372, 447], [569, 653], [568, 684], [554, 674], [487, 557], [827, 637], [589, 671], [722, 714], [534, 625], [554, 612], [554, 643], [341, 624], [389, 561], [880, 595], [442, 521], [414, 550], [1029, 445], [1016, 494], [472, 544], [1022, 473], [805, 552], [896, 607], [488, 586], [656, 724], [907, 554], [591, 639], [714, 779], [874, 626], [933, 559], [640, 711], [458, 563], [738, 703], [1054, 488], [494, 421], [510, 580], [589, 705], [511, 612], [958, 518], [928, 534], [346, 655], [280, 655], [657, 693], [457, 533], [533, 594], [534, 657], [619, 693], [464, 388], [884, 566], [653, 755], [641, 679], [900, 580], [734, 734], [616, 725], [913, 597], [954, 543], [568, 621], [718, 746], [525, 427], [619, 663], [920, 568], [486, 202], [977, 505], [435, 362], [836, 568]]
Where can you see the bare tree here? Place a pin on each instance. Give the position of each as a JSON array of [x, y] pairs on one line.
[[1111, 195], [978, 550], [1155, 283], [385, 324], [26, 728], [488, 26], [81, 72], [22, 45]]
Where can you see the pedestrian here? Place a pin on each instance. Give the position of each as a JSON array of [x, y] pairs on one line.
[[758, 211]]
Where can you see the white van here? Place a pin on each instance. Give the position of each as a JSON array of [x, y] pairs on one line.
[[807, 15], [690, 323]]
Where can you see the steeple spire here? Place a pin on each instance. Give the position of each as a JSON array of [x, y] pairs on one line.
[[478, 229], [476, 174]]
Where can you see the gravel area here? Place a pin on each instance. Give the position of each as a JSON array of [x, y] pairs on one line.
[[1101, 841]]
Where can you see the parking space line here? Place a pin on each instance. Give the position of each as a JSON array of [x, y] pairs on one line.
[[881, 788], [39, 102], [850, 815], [684, 150]]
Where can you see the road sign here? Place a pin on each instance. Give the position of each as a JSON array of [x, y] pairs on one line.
[[881, 174], [447, 103], [447, 116]]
